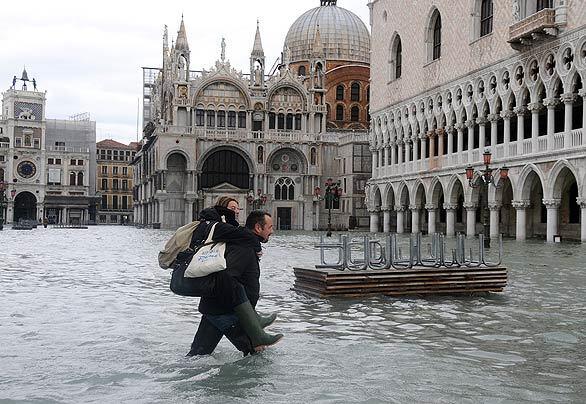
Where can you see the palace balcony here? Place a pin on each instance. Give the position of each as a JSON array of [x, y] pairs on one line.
[[533, 28]]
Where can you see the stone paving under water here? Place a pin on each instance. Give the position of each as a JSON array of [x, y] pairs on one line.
[[87, 316]]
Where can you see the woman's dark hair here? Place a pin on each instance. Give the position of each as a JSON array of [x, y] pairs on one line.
[[256, 216], [224, 201]]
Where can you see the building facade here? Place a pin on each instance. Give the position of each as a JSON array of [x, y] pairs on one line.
[[451, 79], [269, 139], [47, 163], [115, 182]]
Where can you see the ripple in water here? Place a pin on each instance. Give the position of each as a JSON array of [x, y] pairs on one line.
[[87, 316]]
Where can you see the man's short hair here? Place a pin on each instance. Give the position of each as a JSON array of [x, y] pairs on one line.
[[256, 216]]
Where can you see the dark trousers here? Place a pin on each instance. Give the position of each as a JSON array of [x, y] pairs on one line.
[[212, 328]]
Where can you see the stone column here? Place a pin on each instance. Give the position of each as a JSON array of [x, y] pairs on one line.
[[400, 152], [423, 146], [568, 100], [450, 134], [407, 150], [450, 220], [374, 221], [393, 153], [495, 210], [552, 206], [550, 103], [470, 219], [582, 93], [432, 145], [520, 111], [386, 160], [400, 219], [470, 126], [482, 133], [460, 140], [521, 209], [415, 154], [386, 219], [493, 119], [374, 155], [431, 215], [414, 219], [582, 203], [380, 157], [440, 143], [506, 115], [534, 107]]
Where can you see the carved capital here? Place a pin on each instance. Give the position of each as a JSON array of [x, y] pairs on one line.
[[552, 203], [449, 206], [494, 206], [581, 202], [534, 107], [414, 207], [430, 206], [521, 204], [399, 209], [493, 117], [481, 120], [470, 123], [459, 126], [450, 129], [568, 98], [582, 93], [507, 114], [550, 102], [470, 206], [520, 110]]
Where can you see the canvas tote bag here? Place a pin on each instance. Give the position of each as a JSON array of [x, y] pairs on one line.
[[208, 258]]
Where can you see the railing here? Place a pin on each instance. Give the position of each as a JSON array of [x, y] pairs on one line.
[[577, 137], [4, 145], [538, 22], [542, 144], [527, 146], [558, 141], [68, 149], [500, 151], [512, 149]]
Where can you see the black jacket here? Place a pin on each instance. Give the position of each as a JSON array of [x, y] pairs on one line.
[[241, 256]]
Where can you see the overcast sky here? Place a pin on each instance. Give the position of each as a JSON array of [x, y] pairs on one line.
[[88, 55]]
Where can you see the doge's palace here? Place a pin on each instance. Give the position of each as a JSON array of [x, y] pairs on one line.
[[453, 79]]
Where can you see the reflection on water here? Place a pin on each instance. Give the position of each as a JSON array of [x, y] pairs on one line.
[[87, 316]]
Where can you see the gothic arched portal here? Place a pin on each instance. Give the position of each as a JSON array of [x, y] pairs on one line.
[[25, 207], [225, 166]]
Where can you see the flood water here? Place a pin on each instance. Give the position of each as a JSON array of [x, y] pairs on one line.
[[87, 316]]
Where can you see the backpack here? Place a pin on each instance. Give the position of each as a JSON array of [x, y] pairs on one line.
[[180, 241]]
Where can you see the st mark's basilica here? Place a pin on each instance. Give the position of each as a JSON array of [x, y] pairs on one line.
[[271, 137]]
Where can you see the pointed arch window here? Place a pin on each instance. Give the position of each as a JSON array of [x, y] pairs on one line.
[[340, 93], [72, 178], [80, 179], [355, 114], [486, 15], [231, 119], [398, 58], [284, 189], [355, 92], [301, 71], [437, 36], [339, 112]]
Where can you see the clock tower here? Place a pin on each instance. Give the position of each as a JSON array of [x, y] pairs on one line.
[[23, 110]]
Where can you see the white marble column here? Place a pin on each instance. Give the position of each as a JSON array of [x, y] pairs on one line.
[[495, 210], [407, 151], [568, 100], [506, 115], [393, 153], [400, 152], [493, 119], [440, 143], [423, 147], [520, 111], [374, 221], [481, 133], [534, 107], [550, 103], [414, 219], [582, 203], [450, 135], [386, 219], [415, 154], [432, 139], [431, 217], [470, 219], [400, 219], [470, 125], [552, 206], [450, 220], [386, 159], [460, 140]]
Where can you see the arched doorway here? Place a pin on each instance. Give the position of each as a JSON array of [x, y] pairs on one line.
[[565, 189], [25, 207], [536, 219], [225, 166]]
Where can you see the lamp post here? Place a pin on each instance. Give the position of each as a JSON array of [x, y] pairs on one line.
[[3, 203], [257, 201], [482, 179], [332, 194]]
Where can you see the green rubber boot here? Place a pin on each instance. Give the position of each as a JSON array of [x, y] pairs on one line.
[[251, 325], [265, 321]]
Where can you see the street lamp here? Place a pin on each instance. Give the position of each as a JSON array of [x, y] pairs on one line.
[[332, 194], [257, 201], [3, 203], [482, 179]]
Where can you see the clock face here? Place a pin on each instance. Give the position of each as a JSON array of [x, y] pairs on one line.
[[26, 169]]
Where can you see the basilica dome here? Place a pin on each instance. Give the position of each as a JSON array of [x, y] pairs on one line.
[[343, 34]]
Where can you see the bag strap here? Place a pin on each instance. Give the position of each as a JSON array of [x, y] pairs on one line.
[[211, 234]]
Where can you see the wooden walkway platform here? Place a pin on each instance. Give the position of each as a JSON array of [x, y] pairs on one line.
[[393, 282]]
